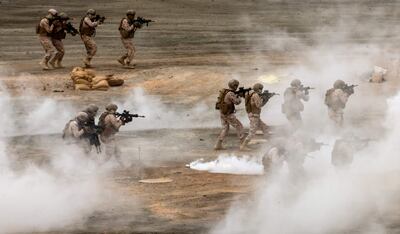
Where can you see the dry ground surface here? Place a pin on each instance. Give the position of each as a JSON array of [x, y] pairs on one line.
[[191, 50]]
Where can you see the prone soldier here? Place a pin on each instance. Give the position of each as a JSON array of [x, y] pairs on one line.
[[336, 99], [44, 28], [227, 100], [292, 105]]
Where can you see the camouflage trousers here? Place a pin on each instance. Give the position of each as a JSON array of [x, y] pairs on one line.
[[230, 120], [255, 124], [90, 45], [59, 45], [336, 116], [112, 150], [47, 46], [130, 50]]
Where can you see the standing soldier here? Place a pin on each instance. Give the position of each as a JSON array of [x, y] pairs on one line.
[[127, 28], [292, 105], [58, 34], [75, 130], [110, 124], [44, 28], [336, 99], [226, 105], [87, 29], [254, 103]]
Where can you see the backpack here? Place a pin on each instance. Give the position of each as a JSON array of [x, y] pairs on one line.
[[328, 98], [66, 127], [101, 124], [221, 105], [247, 101]]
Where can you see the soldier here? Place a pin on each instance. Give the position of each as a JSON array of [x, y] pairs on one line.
[[110, 124], [75, 130], [87, 29], [344, 150], [91, 110], [127, 28], [292, 105], [254, 103], [336, 99], [226, 105], [44, 28], [57, 35]]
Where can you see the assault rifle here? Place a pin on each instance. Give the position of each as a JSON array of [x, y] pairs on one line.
[[306, 89], [349, 88], [266, 95], [127, 117], [71, 29], [142, 21], [241, 92], [92, 134], [99, 19]]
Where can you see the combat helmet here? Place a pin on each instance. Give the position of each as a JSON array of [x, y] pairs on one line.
[[233, 84], [339, 84]]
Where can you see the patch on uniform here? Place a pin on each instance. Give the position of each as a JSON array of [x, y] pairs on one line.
[[156, 181]]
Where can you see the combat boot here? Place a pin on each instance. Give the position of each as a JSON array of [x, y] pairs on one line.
[[219, 146], [243, 146], [52, 62], [59, 64], [86, 62], [121, 61], [129, 66], [44, 65]]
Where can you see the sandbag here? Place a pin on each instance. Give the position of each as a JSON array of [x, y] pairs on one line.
[[97, 79], [101, 85], [82, 87], [115, 82], [82, 81]]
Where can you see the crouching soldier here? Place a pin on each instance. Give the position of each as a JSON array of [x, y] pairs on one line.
[[226, 105], [110, 124]]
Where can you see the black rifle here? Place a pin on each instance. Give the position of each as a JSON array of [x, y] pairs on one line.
[[99, 19], [127, 117], [349, 88], [266, 95], [241, 92], [141, 21], [71, 29], [92, 134]]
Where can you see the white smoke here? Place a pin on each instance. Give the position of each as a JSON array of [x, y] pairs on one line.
[[230, 164], [359, 199]]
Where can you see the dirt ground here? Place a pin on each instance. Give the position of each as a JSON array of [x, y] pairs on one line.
[[184, 57]]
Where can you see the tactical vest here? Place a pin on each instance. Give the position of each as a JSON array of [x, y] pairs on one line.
[[124, 33], [328, 97], [101, 124], [60, 34], [84, 29], [249, 107], [222, 106]]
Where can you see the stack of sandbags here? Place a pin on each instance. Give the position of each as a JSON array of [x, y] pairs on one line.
[[378, 75], [86, 79]]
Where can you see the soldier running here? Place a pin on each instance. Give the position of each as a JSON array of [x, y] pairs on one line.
[[87, 29], [58, 34]]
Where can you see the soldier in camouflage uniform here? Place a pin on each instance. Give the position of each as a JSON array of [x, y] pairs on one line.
[[127, 29], [292, 106], [336, 100], [44, 28]]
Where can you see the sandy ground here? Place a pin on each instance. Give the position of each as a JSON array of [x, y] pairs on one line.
[[191, 50]]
